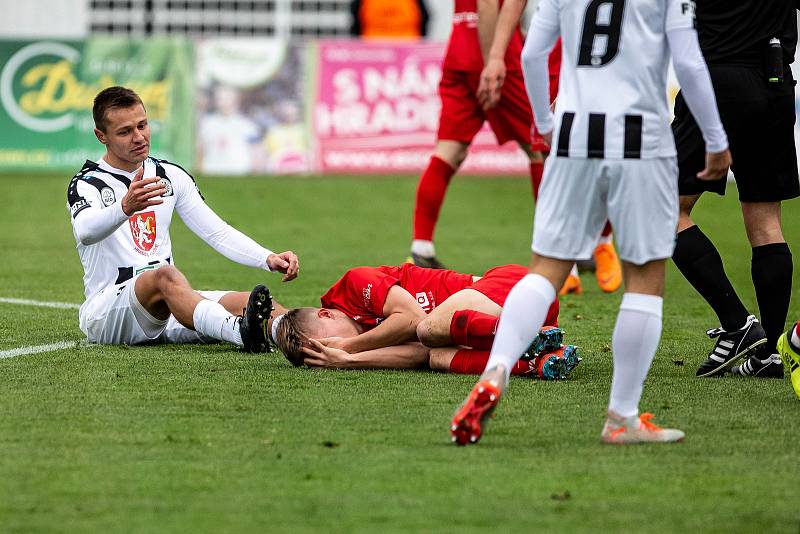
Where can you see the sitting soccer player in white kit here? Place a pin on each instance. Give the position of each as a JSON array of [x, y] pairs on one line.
[[121, 207], [613, 156]]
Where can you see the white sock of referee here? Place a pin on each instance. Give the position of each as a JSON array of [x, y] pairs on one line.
[[523, 315], [212, 319], [634, 344]]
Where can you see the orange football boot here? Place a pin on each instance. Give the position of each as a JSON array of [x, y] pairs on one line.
[[571, 285], [608, 270], [468, 420]]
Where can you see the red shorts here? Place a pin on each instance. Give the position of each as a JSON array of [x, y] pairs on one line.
[[496, 283], [462, 116]]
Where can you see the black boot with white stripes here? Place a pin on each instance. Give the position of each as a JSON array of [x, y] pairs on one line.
[[731, 346], [770, 367]]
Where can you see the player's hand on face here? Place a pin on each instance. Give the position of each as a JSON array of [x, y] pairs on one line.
[[717, 165], [318, 355], [491, 83], [286, 263], [142, 193]]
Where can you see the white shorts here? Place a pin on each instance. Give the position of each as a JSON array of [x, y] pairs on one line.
[[115, 317], [577, 196]]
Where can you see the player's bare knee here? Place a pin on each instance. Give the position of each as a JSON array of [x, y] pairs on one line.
[[423, 332], [168, 278]]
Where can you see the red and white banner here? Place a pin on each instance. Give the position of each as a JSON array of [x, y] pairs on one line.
[[376, 109]]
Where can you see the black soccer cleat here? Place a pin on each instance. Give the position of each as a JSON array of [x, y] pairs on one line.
[[253, 323], [428, 263], [731, 346], [771, 367]]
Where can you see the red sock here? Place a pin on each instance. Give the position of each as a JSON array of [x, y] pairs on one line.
[[552, 314], [472, 328], [537, 169], [473, 362], [606, 230], [430, 195]]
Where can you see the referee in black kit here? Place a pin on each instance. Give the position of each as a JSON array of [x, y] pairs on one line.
[[748, 46]]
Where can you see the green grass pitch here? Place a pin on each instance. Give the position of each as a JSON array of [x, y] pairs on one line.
[[205, 439]]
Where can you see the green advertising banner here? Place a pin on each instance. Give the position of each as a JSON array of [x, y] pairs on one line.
[[47, 88]]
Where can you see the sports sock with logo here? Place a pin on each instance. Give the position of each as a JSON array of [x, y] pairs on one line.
[[523, 315], [430, 196], [473, 362], [771, 269], [633, 344], [471, 328], [701, 265], [212, 319], [537, 170]]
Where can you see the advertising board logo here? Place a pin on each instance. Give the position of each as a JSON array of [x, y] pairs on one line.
[[26, 118]]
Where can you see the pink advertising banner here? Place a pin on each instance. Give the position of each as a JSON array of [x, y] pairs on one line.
[[376, 109]]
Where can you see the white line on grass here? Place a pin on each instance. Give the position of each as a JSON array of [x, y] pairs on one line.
[[36, 349], [41, 303]]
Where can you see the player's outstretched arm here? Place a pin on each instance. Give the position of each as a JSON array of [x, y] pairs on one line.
[[494, 71], [405, 356], [695, 82]]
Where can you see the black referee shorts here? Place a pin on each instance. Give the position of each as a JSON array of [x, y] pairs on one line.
[[759, 119]]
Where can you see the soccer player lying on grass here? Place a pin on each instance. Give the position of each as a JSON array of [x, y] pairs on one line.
[[406, 317]]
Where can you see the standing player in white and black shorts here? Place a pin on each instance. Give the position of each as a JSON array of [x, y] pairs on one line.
[[755, 92], [121, 208], [613, 158]]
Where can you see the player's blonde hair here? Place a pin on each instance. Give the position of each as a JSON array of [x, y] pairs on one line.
[[293, 332]]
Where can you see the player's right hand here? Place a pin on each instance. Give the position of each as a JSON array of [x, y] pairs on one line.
[[491, 83], [142, 193], [717, 165]]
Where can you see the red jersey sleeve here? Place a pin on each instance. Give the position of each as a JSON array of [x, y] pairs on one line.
[[361, 294]]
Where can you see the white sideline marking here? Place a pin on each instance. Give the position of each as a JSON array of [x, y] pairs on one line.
[[41, 303], [36, 349]]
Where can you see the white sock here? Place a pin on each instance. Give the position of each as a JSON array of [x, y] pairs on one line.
[[634, 344], [424, 248], [605, 239], [522, 317], [574, 270], [212, 319]]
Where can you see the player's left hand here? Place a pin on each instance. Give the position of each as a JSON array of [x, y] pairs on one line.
[[286, 263], [491, 83], [318, 355], [548, 138]]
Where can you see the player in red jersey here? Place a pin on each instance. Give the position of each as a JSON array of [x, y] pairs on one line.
[[464, 111], [373, 317]]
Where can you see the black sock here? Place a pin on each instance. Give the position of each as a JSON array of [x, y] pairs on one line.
[[698, 260], [772, 278]]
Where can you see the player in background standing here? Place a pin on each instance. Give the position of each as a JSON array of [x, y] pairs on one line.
[[608, 271], [615, 159], [463, 115], [748, 46], [121, 208]]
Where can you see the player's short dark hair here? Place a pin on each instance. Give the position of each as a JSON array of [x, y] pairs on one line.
[[292, 333], [112, 98]]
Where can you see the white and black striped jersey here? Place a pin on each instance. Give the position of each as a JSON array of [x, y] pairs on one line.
[[612, 92], [114, 247]]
